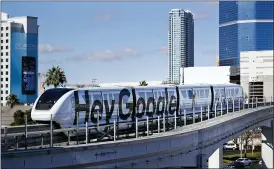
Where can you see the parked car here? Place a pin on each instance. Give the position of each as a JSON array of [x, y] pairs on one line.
[[230, 146], [243, 161], [231, 165]]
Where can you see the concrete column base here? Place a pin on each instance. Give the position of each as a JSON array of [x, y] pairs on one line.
[[267, 146], [216, 159]]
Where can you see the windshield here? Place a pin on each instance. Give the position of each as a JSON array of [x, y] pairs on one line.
[[240, 159], [49, 98]]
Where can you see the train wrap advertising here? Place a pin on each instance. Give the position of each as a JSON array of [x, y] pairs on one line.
[[123, 105]]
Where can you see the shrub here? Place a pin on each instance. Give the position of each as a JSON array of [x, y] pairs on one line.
[[19, 118]]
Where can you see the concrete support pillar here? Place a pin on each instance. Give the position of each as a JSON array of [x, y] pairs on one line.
[[201, 161], [267, 146], [216, 159]]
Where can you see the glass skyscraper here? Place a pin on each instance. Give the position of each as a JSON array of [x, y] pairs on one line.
[[180, 43], [244, 26]]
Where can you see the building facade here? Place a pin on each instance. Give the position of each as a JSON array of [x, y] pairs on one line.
[[257, 74], [19, 58], [244, 26], [210, 75], [180, 42]]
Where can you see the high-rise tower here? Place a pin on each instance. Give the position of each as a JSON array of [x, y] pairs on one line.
[[180, 43]]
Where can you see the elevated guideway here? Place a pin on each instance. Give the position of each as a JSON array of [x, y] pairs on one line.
[[190, 145]]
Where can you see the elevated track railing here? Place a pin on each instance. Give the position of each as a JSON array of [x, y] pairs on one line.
[[50, 137]]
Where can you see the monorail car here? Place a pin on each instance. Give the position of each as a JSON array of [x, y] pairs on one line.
[[124, 104]]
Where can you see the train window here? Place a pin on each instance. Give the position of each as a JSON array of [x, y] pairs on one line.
[[222, 92], [171, 93], [155, 95], [190, 94], [97, 97], [202, 93], [206, 93], [149, 94], [232, 92], [227, 92], [116, 98], [184, 94], [237, 92], [49, 98], [142, 95]]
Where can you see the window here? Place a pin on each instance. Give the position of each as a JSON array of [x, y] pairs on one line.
[[7, 92], [1, 60], [1, 34], [1, 53], [1, 47], [1, 92], [1, 85], [7, 73], [206, 93], [7, 41], [7, 53], [1, 66], [7, 28], [190, 94], [1, 73], [7, 34], [184, 94], [202, 93], [1, 79], [7, 85], [49, 97], [7, 66], [2, 28], [7, 60], [7, 47], [7, 79], [1, 98], [232, 92], [2, 41]]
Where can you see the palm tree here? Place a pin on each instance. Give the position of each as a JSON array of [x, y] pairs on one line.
[[143, 83], [55, 76], [12, 100]]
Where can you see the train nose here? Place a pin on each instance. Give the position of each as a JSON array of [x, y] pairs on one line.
[[40, 115]]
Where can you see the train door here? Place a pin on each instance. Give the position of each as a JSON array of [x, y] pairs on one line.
[[217, 98], [185, 101], [228, 97], [196, 100], [160, 101], [223, 98]]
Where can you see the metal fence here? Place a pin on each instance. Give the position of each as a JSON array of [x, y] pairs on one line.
[[44, 136]]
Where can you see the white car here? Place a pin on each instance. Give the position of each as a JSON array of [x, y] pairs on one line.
[[230, 146], [244, 161]]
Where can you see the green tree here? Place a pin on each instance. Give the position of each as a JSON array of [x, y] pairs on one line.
[[143, 83], [55, 76], [12, 100]]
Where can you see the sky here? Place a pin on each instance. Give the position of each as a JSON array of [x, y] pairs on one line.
[[115, 41]]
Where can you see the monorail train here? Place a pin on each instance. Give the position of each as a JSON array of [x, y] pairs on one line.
[[124, 104]]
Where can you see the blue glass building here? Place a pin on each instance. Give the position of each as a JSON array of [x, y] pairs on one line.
[[244, 26], [19, 58]]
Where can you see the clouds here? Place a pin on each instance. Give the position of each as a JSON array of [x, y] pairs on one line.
[[200, 16], [164, 50], [104, 16], [48, 48], [107, 55]]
